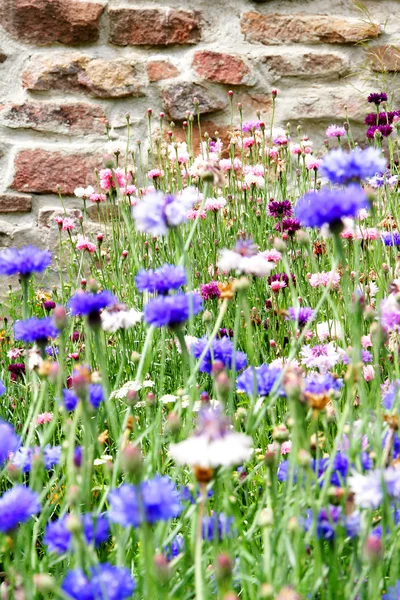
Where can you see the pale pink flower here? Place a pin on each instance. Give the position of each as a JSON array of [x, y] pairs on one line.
[[308, 335], [225, 164], [295, 149], [97, 198], [129, 190], [85, 244], [15, 353], [324, 278], [366, 341], [273, 152], [155, 173], [277, 285], [370, 233], [192, 214], [248, 142], [286, 447], [68, 224], [369, 372], [312, 163], [363, 214], [214, 204], [45, 417], [335, 131], [59, 221], [271, 255], [322, 357]]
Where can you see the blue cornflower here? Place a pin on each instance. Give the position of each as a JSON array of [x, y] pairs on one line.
[[221, 350], [172, 311], [157, 213], [86, 303], [9, 441], [17, 505], [50, 351], [301, 315], [393, 592], [70, 399], [391, 239], [366, 357], [153, 500], [315, 209], [322, 383], [175, 547], [345, 167], [96, 394], [162, 280], [217, 527], [3, 388], [259, 381], [35, 330], [105, 582], [58, 539], [339, 471], [24, 261], [24, 456], [391, 394], [326, 522]]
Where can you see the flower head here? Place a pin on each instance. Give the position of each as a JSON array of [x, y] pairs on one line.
[[300, 315], [114, 319], [315, 209], [153, 500], [172, 311], [345, 167], [377, 98], [162, 280], [335, 131], [58, 538], [9, 442], [210, 291], [17, 505], [279, 209], [157, 213], [24, 261], [322, 357], [85, 303], [35, 330], [105, 582], [221, 350], [259, 381], [391, 238]]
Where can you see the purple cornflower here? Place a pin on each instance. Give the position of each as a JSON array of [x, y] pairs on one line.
[[377, 98], [366, 357], [259, 381], [383, 118], [86, 303], [283, 277], [9, 442], [245, 247], [3, 388], [35, 330], [250, 126], [385, 130], [16, 370], [322, 383], [335, 131], [70, 399], [221, 350], [370, 133], [223, 332], [301, 315], [49, 305], [326, 522], [57, 538], [316, 209], [393, 592], [288, 225], [105, 582], [346, 167], [175, 547], [24, 261], [210, 291], [96, 394], [17, 505], [157, 213], [217, 527], [24, 456], [162, 280], [391, 394], [279, 209], [172, 311], [153, 500]]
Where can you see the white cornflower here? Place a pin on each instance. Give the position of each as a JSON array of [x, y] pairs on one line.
[[84, 193], [329, 329], [367, 489], [115, 147], [322, 357], [120, 319]]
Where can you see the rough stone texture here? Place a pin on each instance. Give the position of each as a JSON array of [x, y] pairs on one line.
[[45, 172], [178, 99], [273, 28], [220, 67], [46, 21], [160, 69], [61, 118], [14, 203], [385, 58], [311, 64], [94, 76], [3, 57], [153, 27], [47, 216]]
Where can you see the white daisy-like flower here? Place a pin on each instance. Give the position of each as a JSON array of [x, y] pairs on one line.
[[367, 489], [329, 329], [322, 357], [129, 386], [115, 147], [120, 319], [84, 193], [257, 265]]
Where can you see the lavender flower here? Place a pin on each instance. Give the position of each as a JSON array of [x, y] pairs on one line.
[[9, 442], [210, 291], [58, 538], [17, 505], [343, 168], [301, 315], [24, 261], [391, 239], [260, 381], [335, 131], [316, 209], [217, 527], [250, 126], [157, 213], [172, 311], [279, 209], [35, 330], [162, 280]]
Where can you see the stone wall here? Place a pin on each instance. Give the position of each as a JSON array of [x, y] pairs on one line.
[[68, 66]]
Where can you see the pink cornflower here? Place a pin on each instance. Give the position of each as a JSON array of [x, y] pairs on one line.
[[210, 291], [370, 233], [97, 198], [323, 279], [273, 152], [286, 447], [271, 255], [335, 131], [59, 221], [105, 176], [155, 173], [322, 356], [214, 204], [248, 142], [15, 353], [85, 244], [68, 224], [45, 417], [366, 341], [192, 214], [368, 372], [277, 285], [296, 149], [312, 163], [129, 190]]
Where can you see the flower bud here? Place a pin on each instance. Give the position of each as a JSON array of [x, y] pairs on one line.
[[60, 317], [132, 460], [207, 317], [280, 433], [74, 524], [44, 583], [223, 567], [173, 423], [162, 568], [222, 383], [373, 550], [266, 518]]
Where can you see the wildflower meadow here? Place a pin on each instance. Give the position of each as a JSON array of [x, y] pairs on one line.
[[206, 403]]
